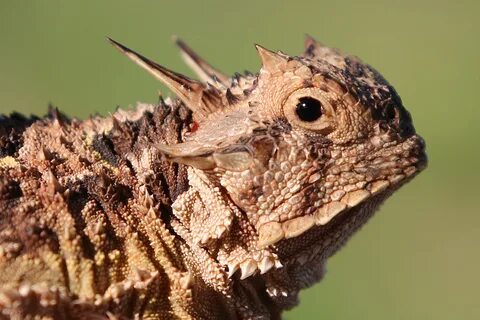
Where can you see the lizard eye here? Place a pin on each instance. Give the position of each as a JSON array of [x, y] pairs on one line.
[[308, 109]]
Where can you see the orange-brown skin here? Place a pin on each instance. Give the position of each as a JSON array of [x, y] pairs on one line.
[[223, 204]]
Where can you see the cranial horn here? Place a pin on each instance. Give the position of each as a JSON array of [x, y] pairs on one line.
[[317, 50], [203, 69], [311, 45], [271, 61], [202, 101]]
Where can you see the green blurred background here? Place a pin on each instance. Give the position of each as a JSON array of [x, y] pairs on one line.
[[419, 257]]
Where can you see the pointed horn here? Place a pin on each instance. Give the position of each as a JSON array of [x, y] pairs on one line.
[[191, 92], [311, 45], [204, 70], [309, 40], [315, 49], [271, 61]]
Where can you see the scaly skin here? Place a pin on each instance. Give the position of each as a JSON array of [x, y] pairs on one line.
[[223, 204]]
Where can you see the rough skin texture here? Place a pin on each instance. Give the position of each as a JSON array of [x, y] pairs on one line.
[[222, 204]]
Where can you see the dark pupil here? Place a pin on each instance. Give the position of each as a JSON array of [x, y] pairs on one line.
[[309, 109]]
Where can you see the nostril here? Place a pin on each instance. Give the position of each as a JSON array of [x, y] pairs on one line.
[[417, 151], [383, 126]]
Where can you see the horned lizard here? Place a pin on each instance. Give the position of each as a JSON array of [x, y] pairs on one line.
[[221, 204]]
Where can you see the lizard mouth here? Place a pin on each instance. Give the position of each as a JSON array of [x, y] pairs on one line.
[[272, 233], [323, 240], [347, 207], [323, 228]]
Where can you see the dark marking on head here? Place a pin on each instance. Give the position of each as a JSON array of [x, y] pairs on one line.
[[310, 51], [367, 86]]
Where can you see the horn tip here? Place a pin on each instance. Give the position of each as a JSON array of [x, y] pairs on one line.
[[308, 37], [311, 41], [176, 39], [117, 45], [181, 44], [259, 47], [109, 39]]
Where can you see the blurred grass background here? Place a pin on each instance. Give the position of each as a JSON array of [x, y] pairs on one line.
[[419, 257]]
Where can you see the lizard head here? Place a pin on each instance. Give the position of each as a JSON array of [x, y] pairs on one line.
[[290, 152]]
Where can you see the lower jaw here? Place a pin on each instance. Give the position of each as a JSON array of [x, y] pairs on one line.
[[321, 242]]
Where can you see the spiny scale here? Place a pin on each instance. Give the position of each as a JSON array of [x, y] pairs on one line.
[[271, 61], [203, 69]]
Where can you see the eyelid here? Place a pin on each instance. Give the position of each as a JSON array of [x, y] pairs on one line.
[[325, 124]]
